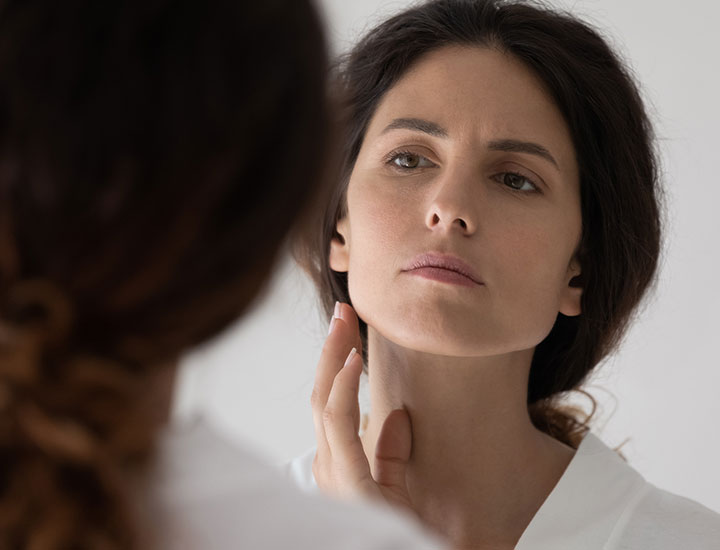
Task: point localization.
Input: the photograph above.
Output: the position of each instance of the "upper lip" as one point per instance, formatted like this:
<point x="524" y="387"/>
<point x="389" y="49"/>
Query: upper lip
<point x="443" y="261"/>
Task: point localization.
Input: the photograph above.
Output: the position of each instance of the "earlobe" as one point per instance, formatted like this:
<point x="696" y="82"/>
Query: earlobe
<point x="339" y="258"/>
<point x="570" y="304"/>
<point x="571" y="299"/>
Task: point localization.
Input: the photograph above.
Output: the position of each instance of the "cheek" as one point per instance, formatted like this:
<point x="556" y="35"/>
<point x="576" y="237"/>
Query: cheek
<point x="371" y="248"/>
<point x="383" y="222"/>
<point x="529" y="272"/>
<point x="376" y="250"/>
<point x="374" y="224"/>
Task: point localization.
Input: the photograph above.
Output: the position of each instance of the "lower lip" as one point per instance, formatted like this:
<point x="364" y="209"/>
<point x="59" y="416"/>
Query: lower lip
<point x="443" y="275"/>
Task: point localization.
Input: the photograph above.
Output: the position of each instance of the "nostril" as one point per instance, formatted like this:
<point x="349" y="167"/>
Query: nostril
<point x="462" y="222"/>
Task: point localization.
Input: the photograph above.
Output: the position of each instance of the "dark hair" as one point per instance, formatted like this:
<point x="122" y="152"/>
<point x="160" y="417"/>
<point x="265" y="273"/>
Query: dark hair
<point x="613" y="141"/>
<point x="153" y="156"/>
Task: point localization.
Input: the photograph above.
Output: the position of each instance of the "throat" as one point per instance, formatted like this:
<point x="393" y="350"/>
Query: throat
<point x="486" y="502"/>
<point x="479" y="470"/>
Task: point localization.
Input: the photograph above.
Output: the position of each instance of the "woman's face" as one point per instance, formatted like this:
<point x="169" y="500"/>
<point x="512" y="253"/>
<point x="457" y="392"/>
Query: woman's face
<point x="465" y="157"/>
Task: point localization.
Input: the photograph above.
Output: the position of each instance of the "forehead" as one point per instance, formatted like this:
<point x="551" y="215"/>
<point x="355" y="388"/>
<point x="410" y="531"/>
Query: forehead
<point x="480" y="94"/>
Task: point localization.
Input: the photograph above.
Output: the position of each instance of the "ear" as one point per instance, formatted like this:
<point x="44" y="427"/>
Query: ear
<point x="571" y="295"/>
<point x="339" y="248"/>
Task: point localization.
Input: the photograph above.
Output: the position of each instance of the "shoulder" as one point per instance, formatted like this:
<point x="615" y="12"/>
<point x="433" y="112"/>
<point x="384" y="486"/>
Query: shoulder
<point x="214" y="495"/>
<point x="662" y="520"/>
<point x="602" y="503"/>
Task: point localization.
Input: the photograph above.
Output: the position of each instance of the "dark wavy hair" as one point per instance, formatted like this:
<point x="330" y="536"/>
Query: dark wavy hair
<point x="154" y="155"/>
<point x="613" y="140"/>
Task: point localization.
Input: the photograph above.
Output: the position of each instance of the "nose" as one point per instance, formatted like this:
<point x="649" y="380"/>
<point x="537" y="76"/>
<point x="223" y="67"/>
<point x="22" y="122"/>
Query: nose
<point x="452" y="206"/>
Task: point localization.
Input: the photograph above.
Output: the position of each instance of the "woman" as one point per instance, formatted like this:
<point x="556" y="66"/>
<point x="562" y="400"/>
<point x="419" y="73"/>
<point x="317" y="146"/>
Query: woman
<point x="153" y="156"/>
<point x="497" y="226"/>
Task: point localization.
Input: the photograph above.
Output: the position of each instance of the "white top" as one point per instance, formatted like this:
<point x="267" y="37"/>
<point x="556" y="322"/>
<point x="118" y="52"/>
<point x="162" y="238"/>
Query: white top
<point x="207" y="494"/>
<point x="600" y="503"/>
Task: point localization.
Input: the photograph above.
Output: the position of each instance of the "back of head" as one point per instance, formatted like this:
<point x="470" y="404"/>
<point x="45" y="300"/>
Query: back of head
<point x="153" y="156"/>
<point x="613" y="142"/>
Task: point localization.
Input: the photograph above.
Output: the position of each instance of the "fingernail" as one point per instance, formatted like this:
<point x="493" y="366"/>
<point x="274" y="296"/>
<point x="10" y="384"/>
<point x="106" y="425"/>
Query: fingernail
<point x="332" y="324"/>
<point x="350" y="357"/>
<point x="337" y="309"/>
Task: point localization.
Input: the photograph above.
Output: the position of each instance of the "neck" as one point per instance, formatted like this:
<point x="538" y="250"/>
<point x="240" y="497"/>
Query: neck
<point x="479" y="469"/>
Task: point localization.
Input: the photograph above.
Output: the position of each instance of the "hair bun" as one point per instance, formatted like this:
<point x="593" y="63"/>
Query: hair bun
<point x="40" y="306"/>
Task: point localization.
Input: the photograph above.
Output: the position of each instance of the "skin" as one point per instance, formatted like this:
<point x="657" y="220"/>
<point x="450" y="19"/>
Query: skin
<point x="449" y="436"/>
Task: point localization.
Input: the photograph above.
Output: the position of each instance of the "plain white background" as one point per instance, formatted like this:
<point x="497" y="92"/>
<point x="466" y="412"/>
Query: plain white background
<point x="661" y="390"/>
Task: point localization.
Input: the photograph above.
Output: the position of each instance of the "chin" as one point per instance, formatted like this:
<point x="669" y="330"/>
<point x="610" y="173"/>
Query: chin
<point x="438" y="339"/>
<point x="438" y="336"/>
<point x="450" y="328"/>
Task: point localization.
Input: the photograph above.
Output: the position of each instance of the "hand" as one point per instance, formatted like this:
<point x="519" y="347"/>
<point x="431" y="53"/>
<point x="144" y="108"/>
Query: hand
<point x="340" y="466"/>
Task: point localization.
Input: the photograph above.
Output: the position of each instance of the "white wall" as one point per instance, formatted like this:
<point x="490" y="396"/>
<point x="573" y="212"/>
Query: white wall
<point x="662" y="388"/>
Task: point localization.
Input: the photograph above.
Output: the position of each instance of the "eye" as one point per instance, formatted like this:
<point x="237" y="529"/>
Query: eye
<point x="518" y="182"/>
<point x="407" y="160"/>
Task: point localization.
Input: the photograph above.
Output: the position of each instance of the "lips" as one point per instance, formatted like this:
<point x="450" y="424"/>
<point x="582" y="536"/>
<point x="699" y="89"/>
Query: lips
<point x="432" y="262"/>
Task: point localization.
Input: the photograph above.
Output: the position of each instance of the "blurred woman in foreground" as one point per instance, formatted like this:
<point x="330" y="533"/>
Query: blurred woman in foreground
<point x="153" y="156"/>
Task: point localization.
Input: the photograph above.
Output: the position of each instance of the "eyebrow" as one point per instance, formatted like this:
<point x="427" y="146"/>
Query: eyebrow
<point x="506" y="145"/>
<point x="417" y="124"/>
<point x="516" y="146"/>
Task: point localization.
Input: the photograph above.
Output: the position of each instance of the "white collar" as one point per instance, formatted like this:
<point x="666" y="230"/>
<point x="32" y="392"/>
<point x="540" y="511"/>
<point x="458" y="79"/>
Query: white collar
<point x="590" y="504"/>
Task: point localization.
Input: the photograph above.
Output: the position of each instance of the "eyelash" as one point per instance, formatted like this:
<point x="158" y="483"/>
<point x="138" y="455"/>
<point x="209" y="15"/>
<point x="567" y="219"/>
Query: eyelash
<point x="535" y="189"/>
<point x="394" y="155"/>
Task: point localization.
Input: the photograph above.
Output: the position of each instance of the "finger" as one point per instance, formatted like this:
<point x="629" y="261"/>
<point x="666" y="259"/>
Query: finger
<point x="332" y="357"/>
<point x="392" y="453"/>
<point x="347" y="313"/>
<point x="341" y="422"/>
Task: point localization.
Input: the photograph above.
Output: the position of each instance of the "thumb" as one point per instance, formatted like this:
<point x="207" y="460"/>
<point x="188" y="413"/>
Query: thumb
<point x="392" y="452"/>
